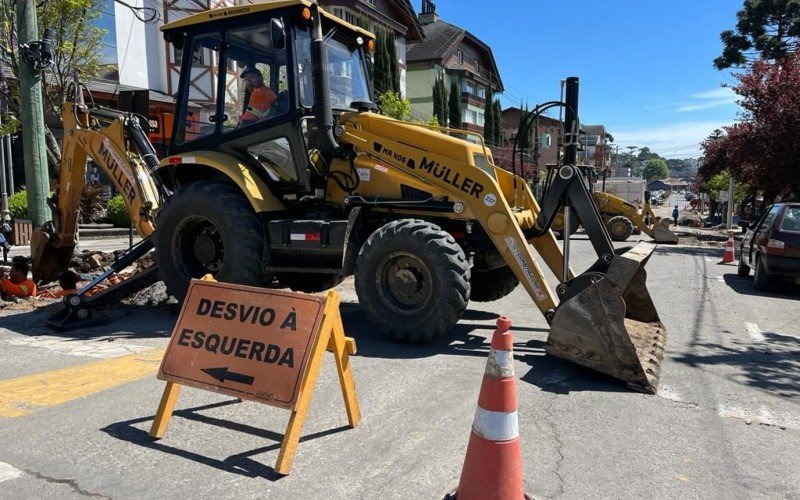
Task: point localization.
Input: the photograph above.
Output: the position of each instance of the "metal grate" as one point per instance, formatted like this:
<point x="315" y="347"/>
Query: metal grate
<point x="410" y="193"/>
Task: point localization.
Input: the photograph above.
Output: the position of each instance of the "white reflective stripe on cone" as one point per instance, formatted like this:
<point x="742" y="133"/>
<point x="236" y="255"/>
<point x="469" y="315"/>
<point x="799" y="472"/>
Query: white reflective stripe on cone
<point x="496" y="425"/>
<point x="500" y="363"/>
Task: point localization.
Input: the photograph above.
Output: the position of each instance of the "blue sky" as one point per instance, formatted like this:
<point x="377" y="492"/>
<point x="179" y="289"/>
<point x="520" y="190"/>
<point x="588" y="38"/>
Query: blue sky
<point x="645" y="65"/>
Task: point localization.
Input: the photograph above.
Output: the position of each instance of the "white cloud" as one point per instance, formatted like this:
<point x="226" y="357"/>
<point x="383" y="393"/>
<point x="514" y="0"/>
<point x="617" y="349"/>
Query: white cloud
<point x="681" y="139"/>
<point x="707" y="99"/>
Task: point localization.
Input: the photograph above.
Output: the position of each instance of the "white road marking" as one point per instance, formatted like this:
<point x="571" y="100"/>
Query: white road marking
<point x="763" y="417"/>
<point x="721" y="279"/>
<point x="755" y="332"/>
<point x="89" y="348"/>
<point x="8" y="472"/>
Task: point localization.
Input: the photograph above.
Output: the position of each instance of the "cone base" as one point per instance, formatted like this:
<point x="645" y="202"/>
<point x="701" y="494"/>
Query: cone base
<point x="492" y="470"/>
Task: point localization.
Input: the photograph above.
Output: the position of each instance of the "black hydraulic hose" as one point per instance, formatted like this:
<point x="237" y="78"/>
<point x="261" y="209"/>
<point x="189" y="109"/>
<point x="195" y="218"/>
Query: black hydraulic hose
<point x="147" y="152"/>
<point x="323" y="113"/>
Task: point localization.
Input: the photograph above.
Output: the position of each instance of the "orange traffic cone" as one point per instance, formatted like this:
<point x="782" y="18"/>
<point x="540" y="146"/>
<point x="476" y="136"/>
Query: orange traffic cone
<point x="730" y="254"/>
<point x="493" y="465"/>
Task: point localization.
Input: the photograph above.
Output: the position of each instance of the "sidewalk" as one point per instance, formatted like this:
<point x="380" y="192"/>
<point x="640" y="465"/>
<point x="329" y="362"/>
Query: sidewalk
<point x="102" y="245"/>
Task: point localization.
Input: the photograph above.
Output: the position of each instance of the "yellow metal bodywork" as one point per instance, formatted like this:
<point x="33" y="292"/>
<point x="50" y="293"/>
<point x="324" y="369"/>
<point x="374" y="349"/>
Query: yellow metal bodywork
<point x="255" y="189"/>
<point x="396" y="153"/>
<point x="106" y="147"/>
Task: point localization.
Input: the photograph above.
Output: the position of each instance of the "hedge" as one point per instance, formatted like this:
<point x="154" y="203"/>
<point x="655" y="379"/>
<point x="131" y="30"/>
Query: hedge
<point x="118" y="212"/>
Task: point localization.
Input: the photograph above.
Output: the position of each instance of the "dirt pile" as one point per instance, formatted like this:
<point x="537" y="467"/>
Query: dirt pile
<point x="91" y="261"/>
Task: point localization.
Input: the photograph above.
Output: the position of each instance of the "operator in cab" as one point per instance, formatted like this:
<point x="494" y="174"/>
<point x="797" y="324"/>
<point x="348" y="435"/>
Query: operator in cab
<point x="17" y="284"/>
<point x="260" y="97"/>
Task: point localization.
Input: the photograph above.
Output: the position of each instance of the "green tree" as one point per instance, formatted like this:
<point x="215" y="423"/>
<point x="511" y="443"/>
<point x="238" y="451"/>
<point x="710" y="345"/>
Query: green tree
<point x="765" y="29"/>
<point x="385" y="74"/>
<point x="497" y="123"/>
<point x="655" y="168"/>
<point x="76" y="49"/>
<point x="454" y="104"/>
<point x="440" y="101"/>
<point x="488" y="119"/>
<point x="395" y="106"/>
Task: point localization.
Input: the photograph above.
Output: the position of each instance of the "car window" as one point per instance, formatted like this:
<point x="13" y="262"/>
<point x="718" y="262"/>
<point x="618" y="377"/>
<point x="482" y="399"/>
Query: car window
<point x="769" y="218"/>
<point x="791" y="219"/>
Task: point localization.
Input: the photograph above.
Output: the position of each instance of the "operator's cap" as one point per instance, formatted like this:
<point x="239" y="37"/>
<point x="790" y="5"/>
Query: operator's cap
<point x="250" y="71"/>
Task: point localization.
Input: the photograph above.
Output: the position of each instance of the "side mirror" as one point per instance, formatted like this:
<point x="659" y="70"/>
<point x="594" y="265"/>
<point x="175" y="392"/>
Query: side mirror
<point x="278" y="34"/>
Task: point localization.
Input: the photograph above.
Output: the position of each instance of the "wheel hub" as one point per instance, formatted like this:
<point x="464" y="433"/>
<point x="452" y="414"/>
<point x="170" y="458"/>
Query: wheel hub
<point x="200" y="248"/>
<point x="204" y="249"/>
<point x="406" y="284"/>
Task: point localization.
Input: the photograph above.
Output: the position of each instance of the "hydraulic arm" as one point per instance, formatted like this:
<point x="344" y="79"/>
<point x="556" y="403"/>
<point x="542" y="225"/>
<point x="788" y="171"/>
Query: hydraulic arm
<point x="116" y="143"/>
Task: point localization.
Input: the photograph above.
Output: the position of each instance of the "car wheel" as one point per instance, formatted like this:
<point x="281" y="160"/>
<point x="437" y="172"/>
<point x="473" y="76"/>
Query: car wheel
<point x="743" y="271"/>
<point x="761" y="279"/>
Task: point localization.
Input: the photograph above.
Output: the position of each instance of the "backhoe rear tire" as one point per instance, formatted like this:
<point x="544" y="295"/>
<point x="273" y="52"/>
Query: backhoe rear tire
<point x="412" y="279"/>
<point x="208" y="227"/>
<point x="620" y="228"/>
<point x="309" y="282"/>
<point x="488" y="286"/>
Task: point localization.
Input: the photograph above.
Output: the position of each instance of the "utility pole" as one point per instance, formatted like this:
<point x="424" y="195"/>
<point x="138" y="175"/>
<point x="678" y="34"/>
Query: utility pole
<point x="730" y="204"/>
<point x="34" y="54"/>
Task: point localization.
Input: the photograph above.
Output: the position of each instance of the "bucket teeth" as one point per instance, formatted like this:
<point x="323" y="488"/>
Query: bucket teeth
<point x="611" y="326"/>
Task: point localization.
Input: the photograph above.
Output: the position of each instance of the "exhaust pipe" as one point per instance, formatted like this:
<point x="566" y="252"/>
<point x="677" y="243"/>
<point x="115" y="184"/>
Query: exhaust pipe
<point x="323" y="113"/>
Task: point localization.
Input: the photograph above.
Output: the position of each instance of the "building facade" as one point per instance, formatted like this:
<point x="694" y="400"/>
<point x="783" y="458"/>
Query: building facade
<point x="545" y="135"/>
<point x="454" y="54"/>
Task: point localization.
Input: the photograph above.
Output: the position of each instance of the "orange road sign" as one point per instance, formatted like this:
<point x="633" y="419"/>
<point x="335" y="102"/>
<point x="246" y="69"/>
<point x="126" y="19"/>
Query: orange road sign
<point x="250" y="343"/>
<point x="262" y="345"/>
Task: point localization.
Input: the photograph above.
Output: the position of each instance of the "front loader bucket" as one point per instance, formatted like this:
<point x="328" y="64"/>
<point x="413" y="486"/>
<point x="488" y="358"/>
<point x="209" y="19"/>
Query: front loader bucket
<point x="48" y="260"/>
<point x="663" y="234"/>
<point x="611" y="325"/>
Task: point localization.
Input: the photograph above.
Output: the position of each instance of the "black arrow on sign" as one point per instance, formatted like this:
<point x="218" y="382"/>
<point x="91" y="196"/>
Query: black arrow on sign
<point x="222" y="374"/>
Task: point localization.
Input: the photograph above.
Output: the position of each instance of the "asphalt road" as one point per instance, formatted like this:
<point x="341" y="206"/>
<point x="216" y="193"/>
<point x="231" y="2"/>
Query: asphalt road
<point x="725" y="423"/>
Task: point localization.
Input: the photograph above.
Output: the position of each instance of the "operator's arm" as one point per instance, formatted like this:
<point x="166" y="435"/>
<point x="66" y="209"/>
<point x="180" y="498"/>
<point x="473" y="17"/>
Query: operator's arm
<point x="25" y="289"/>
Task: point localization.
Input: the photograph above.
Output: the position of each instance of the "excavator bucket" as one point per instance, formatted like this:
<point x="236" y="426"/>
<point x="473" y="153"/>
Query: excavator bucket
<point x="611" y="325"/>
<point x="48" y="260"/>
<point x="662" y="232"/>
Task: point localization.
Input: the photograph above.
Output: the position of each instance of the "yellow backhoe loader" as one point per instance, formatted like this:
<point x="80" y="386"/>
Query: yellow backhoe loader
<point x="622" y="218"/>
<point x="316" y="186"/>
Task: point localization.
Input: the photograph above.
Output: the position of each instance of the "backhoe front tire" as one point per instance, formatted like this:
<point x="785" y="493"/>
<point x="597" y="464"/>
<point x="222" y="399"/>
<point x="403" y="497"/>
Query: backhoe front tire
<point x="208" y="228"/>
<point x="620" y="228"/>
<point x="488" y="286"/>
<point x="412" y="279"/>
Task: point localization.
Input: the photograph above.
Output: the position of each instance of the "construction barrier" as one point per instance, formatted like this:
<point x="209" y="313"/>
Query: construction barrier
<point x="730" y="253"/>
<point x="260" y="345"/>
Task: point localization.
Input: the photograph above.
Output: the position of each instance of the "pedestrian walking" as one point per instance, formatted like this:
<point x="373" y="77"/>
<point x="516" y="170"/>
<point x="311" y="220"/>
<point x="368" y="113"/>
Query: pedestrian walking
<point x="675" y="214"/>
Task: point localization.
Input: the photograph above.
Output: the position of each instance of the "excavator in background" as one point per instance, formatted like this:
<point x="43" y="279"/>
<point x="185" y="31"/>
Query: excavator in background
<point x="319" y="186"/>
<point x="622" y="218"/>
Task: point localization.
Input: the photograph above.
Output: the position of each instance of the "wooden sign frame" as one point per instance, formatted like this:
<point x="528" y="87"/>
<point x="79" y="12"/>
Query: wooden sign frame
<point x="331" y="338"/>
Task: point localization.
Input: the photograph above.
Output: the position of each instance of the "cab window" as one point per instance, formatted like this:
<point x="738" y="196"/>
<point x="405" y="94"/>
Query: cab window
<point x="256" y="87"/>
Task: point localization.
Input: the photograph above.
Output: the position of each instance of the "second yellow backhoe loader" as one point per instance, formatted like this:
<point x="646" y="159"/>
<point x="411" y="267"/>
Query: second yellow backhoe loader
<point x="622" y="218"/>
<point x="291" y="179"/>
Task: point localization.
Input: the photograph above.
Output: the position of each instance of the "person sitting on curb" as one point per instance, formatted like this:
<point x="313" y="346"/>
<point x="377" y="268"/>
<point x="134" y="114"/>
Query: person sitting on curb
<point x="17" y="283"/>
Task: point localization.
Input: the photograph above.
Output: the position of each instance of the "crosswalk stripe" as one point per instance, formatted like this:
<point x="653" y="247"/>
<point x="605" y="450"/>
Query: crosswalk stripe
<point x="20" y="396"/>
